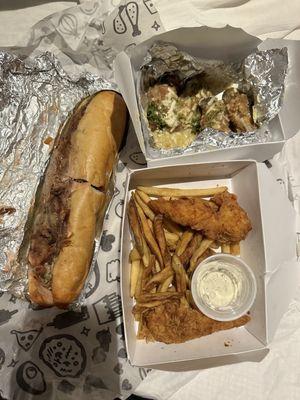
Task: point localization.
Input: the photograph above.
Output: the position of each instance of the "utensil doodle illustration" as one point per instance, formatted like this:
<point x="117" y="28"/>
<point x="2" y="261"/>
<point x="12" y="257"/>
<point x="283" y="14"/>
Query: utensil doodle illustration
<point x="64" y="354"/>
<point x="138" y="158"/>
<point x="132" y="13"/>
<point x="65" y="386"/>
<point x="150" y="6"/>
<point x="113" y="271"/>
<point x="69" y="318"/>
<point x="119" y="208"/>
<point x="5" y="315"/>
<point x="26" y="339"/>
<point x="108" y="308"/>
<point x="2" y="357"/>
<point x="30" y="378"/>
<point x="93" y="382"/>
<point x="68" y="25"/>
<point x="107" y="241"/>
<point x="104" y="339"/>
<point x="94" y="281"/>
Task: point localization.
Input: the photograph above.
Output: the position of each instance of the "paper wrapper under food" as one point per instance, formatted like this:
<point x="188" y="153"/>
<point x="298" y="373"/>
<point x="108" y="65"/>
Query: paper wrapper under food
<point x="37" y="97"/>
<point x="260" y="75"/>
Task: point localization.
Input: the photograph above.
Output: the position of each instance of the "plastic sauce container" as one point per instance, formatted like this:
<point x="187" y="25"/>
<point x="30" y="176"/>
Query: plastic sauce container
<point x="223" y="287"/>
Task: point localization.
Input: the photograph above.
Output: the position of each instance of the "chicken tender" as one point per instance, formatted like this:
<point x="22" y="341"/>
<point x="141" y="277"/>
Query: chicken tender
<point x="173" y="322"/>
<point x="192" y="212"/>
<point x="228" y="224"/>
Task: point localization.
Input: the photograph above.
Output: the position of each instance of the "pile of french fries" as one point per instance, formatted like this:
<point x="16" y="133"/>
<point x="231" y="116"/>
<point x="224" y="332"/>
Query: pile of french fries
<point x="165" y="255"/>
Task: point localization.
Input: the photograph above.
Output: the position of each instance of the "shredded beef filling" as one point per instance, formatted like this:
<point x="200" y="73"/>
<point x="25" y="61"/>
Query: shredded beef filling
<point x="49" y="232"/>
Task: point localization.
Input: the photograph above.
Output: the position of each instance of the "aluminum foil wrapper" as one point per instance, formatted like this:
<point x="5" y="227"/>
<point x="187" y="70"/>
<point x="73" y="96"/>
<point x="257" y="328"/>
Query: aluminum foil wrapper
<point x="260" y="75"/>
<point x="36" y="97"/>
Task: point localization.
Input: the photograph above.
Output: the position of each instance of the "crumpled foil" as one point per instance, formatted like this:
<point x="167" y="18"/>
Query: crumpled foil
<point x="261" y="75"/>
<point x="36" y="97"/>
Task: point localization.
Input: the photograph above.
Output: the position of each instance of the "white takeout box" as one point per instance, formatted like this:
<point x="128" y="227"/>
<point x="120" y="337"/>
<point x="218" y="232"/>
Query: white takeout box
<point x="269" y="249"/>
<point x="228" y="44"/>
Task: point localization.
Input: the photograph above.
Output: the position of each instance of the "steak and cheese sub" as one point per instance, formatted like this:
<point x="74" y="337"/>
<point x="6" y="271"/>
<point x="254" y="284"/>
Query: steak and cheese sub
<point x="71" y="201"/>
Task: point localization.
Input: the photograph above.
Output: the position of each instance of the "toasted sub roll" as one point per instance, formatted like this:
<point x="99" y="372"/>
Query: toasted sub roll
<point x="71" y="201"/>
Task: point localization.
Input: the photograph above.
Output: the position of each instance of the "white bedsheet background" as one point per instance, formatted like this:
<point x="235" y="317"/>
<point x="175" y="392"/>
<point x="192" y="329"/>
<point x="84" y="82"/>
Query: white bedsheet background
<point x="278" y="375"/>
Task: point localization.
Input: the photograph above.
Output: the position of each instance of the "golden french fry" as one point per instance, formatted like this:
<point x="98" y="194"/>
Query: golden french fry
<point x="138" y="286"/>
<point x="149" y="235"/>
<point x="191" y="248"/>
<point x="165" y="285"/>
<point x="184" y="302"/>
<point x="143" y="196"/>
<point x="134" y="255"/>
<point x="171" y="289"/>
<point x="172" y="227"/>
<point x="147" y="211"/>
<point x="134" y="275"/>
<point x="146" y="253"/>
<point x="150" y="223"/>
<point x="159" y="277"/>
<point x="204" y="245"/>
<point x="157" y="266"/>
<point x="225" y="248"/>
<point x="235" y="249"/>
<point x="161" y="239"/>
<point x="135" y="226"/>
<point x="179" y="274"/>
<point x="183" y="242"/>
<point x="147" y="271"/>
<point x="150" y="304"/>
<point x="169" y="192"/>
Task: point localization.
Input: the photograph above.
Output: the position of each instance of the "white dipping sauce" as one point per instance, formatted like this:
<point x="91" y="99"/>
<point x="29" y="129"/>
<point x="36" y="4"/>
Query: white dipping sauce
<point x="220" y="285"/>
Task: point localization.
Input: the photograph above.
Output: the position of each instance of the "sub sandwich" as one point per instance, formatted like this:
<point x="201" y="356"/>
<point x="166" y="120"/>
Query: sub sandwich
<point x="71" y="201"/>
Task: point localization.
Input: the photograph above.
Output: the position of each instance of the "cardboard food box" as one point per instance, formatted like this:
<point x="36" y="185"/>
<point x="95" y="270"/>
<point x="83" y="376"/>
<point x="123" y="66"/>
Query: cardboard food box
<point x="269" y="249"/>
<point x="227" y="44"/>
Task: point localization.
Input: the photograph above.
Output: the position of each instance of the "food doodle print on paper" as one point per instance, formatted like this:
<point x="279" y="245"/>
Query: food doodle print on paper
<point x="93" y="282"/>
<point x="107" y="241"/>
<point x="64" y="354"/>
<point x="30" y="378"/>
<point x="113" y="271"/>
<point x="104" y="339"/>
<point x="26" y="339"/>
<point x="119" y="208"/>
<point x="5" y="315"/>
<point x="68" y="25"/>
<point x="120" y="331"/>
<point x="65" y="386"/>
<point x="2" y="357"/>
<point x="69" y="318"/>
<point x="132" y="14"/>
<point x="150" y="6"/>
<point x="108" y="308"/>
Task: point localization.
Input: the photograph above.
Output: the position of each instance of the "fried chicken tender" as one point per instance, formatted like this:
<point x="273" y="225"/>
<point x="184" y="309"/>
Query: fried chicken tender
<point x="173" y="322"/>
<point x="238" y="109"/>
<point x="228" y="224"/>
